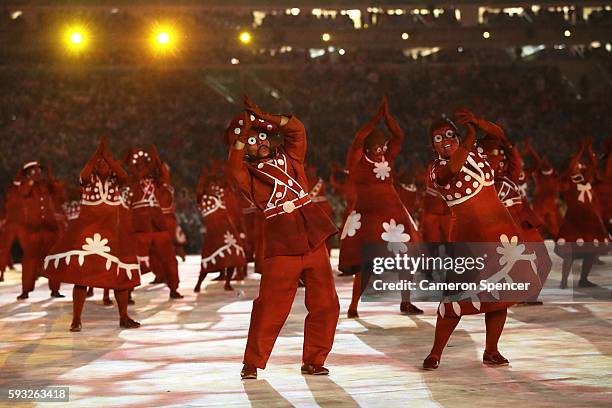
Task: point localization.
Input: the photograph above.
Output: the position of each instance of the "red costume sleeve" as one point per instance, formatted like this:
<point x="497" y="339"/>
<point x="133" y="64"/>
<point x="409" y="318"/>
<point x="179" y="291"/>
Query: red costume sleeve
<point x="356" y="150"/>
<point x="294" y="139"/>
<point x="515" y="163"/>
<point x="238" y="171"/>
<point x="397" y="138"/>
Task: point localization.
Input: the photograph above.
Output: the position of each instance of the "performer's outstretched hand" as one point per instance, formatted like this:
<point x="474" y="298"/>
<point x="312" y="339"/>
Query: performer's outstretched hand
<point x="464" y="116"/>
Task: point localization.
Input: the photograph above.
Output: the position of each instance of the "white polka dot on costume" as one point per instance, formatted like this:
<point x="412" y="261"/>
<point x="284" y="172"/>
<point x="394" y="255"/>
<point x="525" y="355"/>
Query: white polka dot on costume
<point x="270" y="205"/>
<point x="279" y="194"/>
<point x="447" y="187"/>
<point x="458" y="184"/>
<point x="481" y="165"/>
<point x="281" y="162"/>
<point x="141" y="153"/>
<point x="443" y="162"/>
<point x="241" y="122"/>
<point x="289" y="183"/>
<point x="135" y="155"/>
<point x="260" y="165"/>
<point x="252" y="117"/>
<point x="468" y="191"/>
<point x="237" y="131"/>
<point x="480" y="150"/>
<point x="269" y="127"/>
<point x="467" y="177"/>
<point x="475" y="184"/>
<point x="449" y="197"/>
<point x="457" y="195"/>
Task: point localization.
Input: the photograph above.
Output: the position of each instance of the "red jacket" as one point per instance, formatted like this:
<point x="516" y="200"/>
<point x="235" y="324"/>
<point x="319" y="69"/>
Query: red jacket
<point x="278" y="186"/>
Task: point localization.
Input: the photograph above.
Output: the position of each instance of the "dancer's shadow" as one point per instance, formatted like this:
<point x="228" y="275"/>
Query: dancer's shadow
<point x="329" y="394"/>
<point x="262" y="395"/>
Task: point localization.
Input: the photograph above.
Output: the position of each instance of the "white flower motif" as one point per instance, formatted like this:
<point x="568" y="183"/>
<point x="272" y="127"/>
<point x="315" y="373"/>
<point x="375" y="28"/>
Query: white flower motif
<point x="229" y="238"/>
<point x="96" y="244"/>
<point x="382" y="170"/>
<point x="352" y="224"/>
<point x="510" y="250"/>
<point x="395" y="236"/>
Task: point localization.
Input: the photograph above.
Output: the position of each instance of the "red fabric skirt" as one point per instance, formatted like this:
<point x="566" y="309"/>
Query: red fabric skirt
<point x="98" y="249"/>
<point x="222" y="247"/>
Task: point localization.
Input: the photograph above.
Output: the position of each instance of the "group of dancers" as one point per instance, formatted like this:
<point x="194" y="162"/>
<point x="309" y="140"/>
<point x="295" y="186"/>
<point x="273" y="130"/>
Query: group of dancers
<point x="266" y="205"/>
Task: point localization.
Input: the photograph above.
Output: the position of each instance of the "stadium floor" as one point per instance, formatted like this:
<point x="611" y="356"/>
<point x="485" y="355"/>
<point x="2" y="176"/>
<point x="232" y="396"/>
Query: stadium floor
<point x="189" y="352"/>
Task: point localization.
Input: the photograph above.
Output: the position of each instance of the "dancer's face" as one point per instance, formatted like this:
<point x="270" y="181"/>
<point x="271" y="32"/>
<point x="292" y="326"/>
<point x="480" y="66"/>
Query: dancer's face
<point x="102" y="167"/>
<point x="376" y="152"/>
<point x="445" y="141"/>
<point x="33" y="173"/>
<point x="258" y="146"/>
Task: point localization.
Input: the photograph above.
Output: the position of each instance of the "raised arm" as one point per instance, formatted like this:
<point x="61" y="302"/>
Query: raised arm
<point x="236" y="168"/>
<point x="571" y="168"/>
<point x="114" y="165"/>
<point x="397" y="135"/>
<point x="356" y="150"/>
<point x="91" y="164"/>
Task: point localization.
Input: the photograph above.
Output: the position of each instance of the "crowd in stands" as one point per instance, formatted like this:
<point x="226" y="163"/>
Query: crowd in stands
<point x="58" y="116"/>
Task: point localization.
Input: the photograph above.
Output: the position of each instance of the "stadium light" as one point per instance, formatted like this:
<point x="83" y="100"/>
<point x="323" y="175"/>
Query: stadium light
<point x="405" y="36"/>
<point x="245" y="37"/>
<point x="567" y="33"/>
<point x="75" y="38"/>
<point x="486" y="35"/>
<point x="163" y="38"/>
<point x="326" y="37"/>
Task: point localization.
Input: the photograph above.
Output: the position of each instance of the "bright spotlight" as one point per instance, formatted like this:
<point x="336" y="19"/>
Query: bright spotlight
<point x="245" y="37"/>
<point x="163" y="38"/>
<point x="326" y="37"/>
<point x="75" y="38"/>
<point x="567" y="33"/>
<point x="486" y="35"/>
<point x="405" y="36"/>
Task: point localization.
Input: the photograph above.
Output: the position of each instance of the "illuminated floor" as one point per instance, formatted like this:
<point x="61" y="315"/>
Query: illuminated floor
<point x="188" y="353"/>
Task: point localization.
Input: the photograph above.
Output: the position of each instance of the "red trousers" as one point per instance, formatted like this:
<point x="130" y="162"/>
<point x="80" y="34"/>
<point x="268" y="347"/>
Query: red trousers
<point x="36" y="244"/>
<point x="279" y="282"/>
<point x="435" y="227"/>
<point x="159" y="245"/>
<point x="10" y="233"/>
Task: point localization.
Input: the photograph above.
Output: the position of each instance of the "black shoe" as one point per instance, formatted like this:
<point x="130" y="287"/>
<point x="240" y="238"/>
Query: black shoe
<point x="585" y="283"/>
<point x="89" y="293"/>
<point x="56" y="294"/>
<point x="249" y="372"/>
<point x="128" y="323"/>
<point x="494" y="359"/>
<point x="408" y="308"/>
<point x="75" y="327"/>
<point x="431" y="363"/>
<point x="352" y="314"/>
<point x="314" y="369"/>
<point x="107" y="302"/>
<point x="23" y="296"/>
<point x="176" y="295"/>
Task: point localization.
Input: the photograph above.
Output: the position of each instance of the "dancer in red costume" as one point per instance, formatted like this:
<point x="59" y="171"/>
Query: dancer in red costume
<point x="408" y="192"/>
<point x="222" y="250"/>
<point x="546" y="194"/>
<point x="604" y="186"/>
<point x="341" y="184"/>
<point x="39" y="228"/>
<point x="294" y="234"/>
<point x="165" y="196"/>
<point x="13" y="227"/>
<point x="465" y="179"/>
<point x="378" y="215"/>
<point x="507" y="164"/>
<point x="147" y="217"/>
<point x="318" y="195"/>
<point x="582" y="234"/>
<point x="98" y="248"/>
